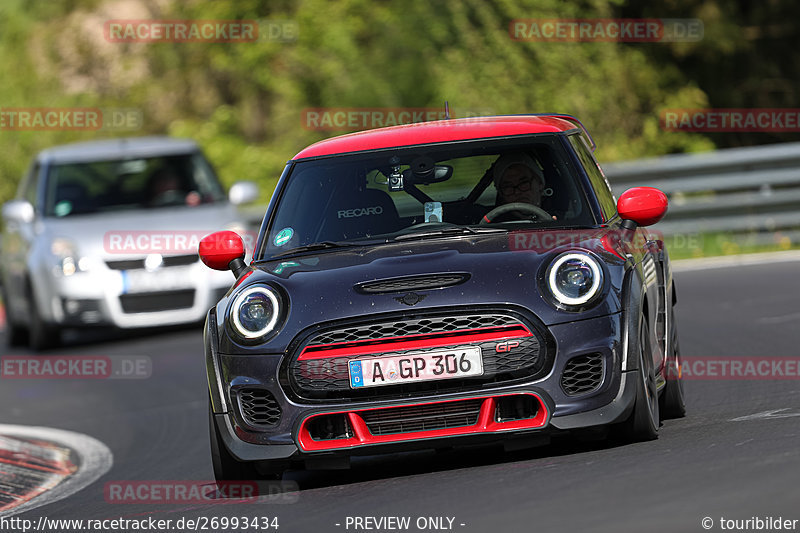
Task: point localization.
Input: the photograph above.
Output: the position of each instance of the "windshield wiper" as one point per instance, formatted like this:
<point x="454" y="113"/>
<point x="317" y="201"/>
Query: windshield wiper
<point x="322" y="245"/>
<point x="460" y="230"/>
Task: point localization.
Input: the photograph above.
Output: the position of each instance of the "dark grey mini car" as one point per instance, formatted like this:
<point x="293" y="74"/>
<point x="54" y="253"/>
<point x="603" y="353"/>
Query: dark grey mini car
<point x="437" y="284"/>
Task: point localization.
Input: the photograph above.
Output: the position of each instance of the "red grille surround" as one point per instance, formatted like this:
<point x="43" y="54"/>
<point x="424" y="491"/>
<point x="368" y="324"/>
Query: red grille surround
<point x="486" y="423"/>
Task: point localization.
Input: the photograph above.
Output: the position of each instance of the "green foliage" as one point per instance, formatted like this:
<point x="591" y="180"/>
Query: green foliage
<point x="698" y="245"/>
<point x="243" y="101"/>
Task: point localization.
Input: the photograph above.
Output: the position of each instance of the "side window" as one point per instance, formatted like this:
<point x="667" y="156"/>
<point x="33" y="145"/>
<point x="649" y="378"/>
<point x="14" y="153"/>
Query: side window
<point x="599" y="183"/>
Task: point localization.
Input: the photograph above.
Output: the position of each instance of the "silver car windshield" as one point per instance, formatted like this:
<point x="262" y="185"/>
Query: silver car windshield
<point x="142" y="183"/>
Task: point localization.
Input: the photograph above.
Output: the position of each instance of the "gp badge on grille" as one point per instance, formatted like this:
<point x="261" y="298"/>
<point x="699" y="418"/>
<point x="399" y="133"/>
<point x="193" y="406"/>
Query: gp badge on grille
<point x="507" y="346"/>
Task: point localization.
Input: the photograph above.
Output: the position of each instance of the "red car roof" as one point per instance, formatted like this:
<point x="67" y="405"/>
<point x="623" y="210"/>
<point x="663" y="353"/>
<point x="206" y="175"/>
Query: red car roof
<point x="442" y="131"/>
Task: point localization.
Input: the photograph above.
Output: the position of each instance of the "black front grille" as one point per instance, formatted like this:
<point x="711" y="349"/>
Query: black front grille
<point x="422" y="417"/>
<point x="582" y="374"/>
<point x="125" y="264"/>
<point x="259" y="407"/>
<point x="412" y="283"/>
<point x="180" y="260"/>
<point x="327" y="378"/>
<point x="150" y="302"/>
<point x="418" y="326"/>
<point x="168" y="261"/>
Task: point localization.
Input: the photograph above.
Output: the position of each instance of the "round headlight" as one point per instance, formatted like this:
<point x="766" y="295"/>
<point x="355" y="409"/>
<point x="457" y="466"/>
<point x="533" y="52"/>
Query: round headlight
<point x="575" y="278"/>
<point x="255" y="312"/>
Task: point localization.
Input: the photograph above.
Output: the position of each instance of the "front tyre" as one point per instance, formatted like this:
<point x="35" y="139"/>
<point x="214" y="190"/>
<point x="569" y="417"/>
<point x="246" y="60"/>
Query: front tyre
<point x="41" y="335"/>
<point x="16" y="335"/>
<point x="644" y="421"/>
<point x="672" y="402"/>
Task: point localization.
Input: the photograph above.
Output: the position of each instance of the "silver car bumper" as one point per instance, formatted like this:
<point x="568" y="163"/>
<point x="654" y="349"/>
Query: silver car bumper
<point x="131" y="298"/>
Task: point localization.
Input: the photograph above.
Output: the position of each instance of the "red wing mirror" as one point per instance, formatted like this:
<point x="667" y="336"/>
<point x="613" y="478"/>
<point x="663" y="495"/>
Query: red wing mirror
<point x="223" y="250"/>
<point x="643" y="205"/>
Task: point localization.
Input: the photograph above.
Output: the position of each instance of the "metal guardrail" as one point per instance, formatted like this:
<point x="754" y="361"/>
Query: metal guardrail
<point x="738" y="190"/>
<point x="753" y="191"/>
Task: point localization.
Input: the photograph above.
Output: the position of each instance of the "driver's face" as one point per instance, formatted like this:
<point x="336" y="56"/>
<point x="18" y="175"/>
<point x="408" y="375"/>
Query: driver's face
<point x="518" y="185"/>
<point x="165" y="183"/>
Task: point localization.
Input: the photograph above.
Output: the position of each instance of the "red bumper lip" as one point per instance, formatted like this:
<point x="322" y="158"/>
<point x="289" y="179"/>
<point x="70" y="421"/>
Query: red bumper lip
<point x="486" y="423"/>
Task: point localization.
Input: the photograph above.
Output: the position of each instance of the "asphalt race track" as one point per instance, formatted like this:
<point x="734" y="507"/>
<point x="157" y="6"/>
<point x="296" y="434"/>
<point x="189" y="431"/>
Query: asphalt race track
<point x="718" y="461"/>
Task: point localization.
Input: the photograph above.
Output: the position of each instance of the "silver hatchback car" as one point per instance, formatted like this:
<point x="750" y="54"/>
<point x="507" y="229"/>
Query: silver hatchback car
<point x="105" y="233"/>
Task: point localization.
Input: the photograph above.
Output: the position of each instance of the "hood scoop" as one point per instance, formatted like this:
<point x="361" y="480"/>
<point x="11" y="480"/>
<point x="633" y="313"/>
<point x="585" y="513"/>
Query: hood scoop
<point x="412" y="283"/>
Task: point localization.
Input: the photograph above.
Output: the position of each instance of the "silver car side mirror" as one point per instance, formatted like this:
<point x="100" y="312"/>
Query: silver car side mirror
<point x="20" y="211"/>
<point x="243" y="192"/>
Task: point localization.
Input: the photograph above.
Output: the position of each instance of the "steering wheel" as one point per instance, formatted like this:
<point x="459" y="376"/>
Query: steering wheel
<point x="523" y="207"/>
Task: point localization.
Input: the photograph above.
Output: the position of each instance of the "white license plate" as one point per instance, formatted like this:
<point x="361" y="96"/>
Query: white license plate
<point x="422" y="366"/>
<point x="168" y="279"/>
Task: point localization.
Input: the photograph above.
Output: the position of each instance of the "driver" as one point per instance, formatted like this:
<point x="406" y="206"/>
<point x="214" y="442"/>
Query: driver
<point x="166" y="187"/>
<point x="518" y="178"/>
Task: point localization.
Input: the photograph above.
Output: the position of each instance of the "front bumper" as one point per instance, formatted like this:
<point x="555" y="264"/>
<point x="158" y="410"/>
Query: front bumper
<point x="289" y="435"/>
<point x="104" y="297"/>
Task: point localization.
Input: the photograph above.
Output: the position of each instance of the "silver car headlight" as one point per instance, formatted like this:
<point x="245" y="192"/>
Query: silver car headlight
<point x="574" y="278"/>
<point x="255" y="312"/>
<point x="68" y="260"/>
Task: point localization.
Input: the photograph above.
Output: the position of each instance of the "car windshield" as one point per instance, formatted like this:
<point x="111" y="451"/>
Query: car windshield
<point x="427" y="192"/>
<point x="141" y="183"/>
